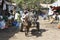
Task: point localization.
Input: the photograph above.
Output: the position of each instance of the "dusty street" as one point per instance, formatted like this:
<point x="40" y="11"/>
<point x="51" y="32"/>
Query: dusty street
<point x="47" y="32"/>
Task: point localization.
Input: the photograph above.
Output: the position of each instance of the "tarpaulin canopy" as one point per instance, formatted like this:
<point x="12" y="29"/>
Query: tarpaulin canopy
<point x="56" y="4"/>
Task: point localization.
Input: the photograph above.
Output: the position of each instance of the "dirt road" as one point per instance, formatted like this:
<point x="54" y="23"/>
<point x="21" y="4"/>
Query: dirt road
<point x="47" y="32"/>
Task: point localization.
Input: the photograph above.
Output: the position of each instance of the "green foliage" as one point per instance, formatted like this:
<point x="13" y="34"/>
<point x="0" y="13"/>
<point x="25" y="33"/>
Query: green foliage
<point x="31" y="3"/>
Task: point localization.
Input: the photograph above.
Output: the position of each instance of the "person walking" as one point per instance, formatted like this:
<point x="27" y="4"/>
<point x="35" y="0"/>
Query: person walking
<point x="24" y="19"/>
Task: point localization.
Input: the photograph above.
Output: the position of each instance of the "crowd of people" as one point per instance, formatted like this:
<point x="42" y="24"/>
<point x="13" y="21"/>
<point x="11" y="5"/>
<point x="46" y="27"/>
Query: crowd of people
<point x="8" y="19"/>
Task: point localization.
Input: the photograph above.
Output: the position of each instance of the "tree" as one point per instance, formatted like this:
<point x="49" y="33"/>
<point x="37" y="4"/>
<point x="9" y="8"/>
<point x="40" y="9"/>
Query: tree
<point x="26" y="3"/>
<point x="31" y="3"/>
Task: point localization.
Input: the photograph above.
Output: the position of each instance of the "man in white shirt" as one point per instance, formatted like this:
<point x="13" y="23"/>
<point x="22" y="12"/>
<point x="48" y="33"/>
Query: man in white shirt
<point x="23" y="19"/>
<point x="50" y="11"/>
<point x="24" y="15"/>
<point x="16" y="16"/>
<point x="50" y="14"/>
<point x="4" y="6"/>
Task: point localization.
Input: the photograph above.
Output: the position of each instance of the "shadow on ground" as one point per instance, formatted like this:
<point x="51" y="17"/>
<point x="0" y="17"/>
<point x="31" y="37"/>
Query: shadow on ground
<point x="6" y="34"/>
<point x="36" y="33"/>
